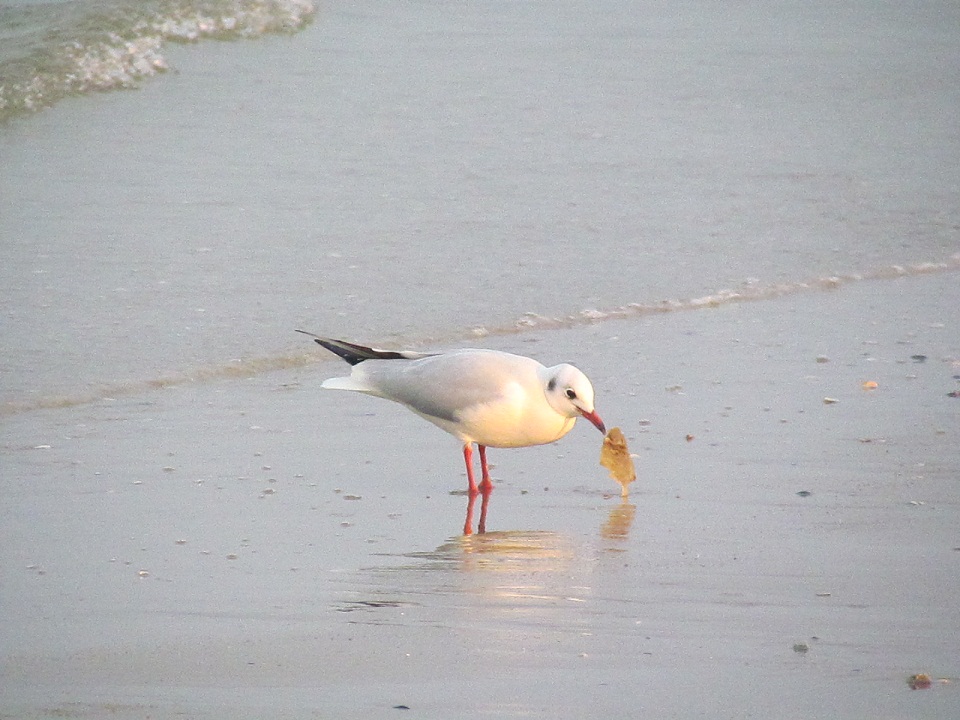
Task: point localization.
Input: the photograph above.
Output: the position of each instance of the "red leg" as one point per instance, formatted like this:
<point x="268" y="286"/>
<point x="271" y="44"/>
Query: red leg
<point x="486" y="484"/>
<point x="468" y="459"/>
<point x="485" y="488"/>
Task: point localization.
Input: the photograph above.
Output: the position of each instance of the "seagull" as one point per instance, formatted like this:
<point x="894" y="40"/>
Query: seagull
<point x="483" y="397"/>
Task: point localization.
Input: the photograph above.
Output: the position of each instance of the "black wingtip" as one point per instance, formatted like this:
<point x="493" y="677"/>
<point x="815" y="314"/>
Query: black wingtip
<point x="356" y="354"/>
<point x="353" y="354"/>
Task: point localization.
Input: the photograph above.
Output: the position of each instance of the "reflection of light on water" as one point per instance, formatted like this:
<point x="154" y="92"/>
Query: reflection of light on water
<point x="506" y="574"/>
<point x="509" y="569"/>
<point x="514" y="551"/>
<point x="617" y="526"/>
<point x="510" y="551"/>
<point x="508" y="594"/>
<point x="527" y="599"/>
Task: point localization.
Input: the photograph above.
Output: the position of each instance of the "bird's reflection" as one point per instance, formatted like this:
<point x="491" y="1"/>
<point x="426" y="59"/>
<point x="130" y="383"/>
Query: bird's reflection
<point x="471" y="503"/>
<point x="619" y="521"/>
<point x="616" y="527"/>
<point x="518" y="552"/>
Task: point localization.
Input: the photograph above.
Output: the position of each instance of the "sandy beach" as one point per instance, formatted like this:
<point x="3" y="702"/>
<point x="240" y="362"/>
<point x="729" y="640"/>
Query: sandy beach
<point x="781" y="555"/>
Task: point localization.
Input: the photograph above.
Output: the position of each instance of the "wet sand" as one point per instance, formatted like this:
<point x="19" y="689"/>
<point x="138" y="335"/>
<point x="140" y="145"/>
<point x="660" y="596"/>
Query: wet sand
<point x="253" y="548"/>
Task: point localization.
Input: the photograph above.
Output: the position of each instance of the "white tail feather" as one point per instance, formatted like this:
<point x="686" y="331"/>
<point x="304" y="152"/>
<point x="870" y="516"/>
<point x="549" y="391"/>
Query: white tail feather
<point x="356" y="384"/>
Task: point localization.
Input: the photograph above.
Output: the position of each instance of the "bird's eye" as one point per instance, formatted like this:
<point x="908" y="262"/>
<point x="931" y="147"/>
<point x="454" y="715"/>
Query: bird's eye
<point x="571" y="393"/>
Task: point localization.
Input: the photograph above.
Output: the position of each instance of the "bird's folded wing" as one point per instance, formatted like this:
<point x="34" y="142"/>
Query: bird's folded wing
<point x="447" y="386"/>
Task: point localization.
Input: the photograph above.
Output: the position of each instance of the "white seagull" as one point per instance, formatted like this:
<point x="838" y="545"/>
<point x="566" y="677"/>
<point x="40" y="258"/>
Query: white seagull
<point x="487" y="397"/>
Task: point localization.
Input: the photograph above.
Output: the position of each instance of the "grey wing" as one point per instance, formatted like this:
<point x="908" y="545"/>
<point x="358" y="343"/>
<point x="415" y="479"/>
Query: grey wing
<point x="444" y="386"/>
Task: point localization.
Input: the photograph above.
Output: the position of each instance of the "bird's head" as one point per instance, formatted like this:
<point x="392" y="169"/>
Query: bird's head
<point x="570" y="393"/>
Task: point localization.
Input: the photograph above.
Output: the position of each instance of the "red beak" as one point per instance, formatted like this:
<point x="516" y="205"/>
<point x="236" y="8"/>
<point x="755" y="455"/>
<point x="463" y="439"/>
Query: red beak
<point x="595" y="419"/>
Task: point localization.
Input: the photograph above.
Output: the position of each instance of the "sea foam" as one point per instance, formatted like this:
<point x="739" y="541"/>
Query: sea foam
<point x="53" y="51"/>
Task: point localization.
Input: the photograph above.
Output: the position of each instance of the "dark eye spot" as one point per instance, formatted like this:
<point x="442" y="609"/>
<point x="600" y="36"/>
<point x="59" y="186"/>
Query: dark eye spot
<point x="552" y="385"/>
<point x="571" y="394"/>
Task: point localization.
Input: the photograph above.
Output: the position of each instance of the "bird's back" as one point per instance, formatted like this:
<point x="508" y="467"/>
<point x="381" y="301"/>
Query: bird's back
<point x="444" y="386"/>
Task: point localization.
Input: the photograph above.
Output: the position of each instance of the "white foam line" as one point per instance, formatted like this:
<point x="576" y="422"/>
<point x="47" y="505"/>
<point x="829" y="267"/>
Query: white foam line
<point x="235" y="369"/>
<point x="750" y="292"/>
